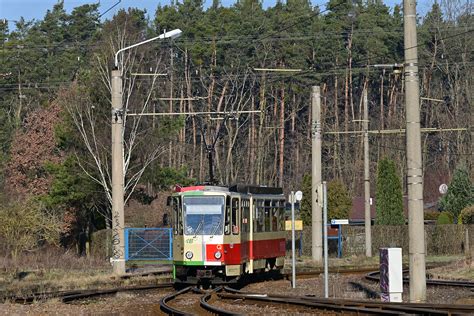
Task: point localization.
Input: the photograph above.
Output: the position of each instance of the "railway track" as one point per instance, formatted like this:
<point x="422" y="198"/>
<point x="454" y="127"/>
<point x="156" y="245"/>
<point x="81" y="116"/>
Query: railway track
<point x="375" y="276"/>
<point x="292" y="304"/>
<point x="351" y="306"/>
<point x="200" y="302"/>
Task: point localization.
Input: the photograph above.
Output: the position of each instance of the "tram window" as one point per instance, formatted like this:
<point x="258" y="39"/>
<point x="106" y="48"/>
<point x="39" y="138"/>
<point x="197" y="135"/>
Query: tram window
<point x="275" y="216"/>
<point x="245" y="216"/>
<point x="177" y="224"/>
<point x="235" y="216"/>
<point x="227" y="216"/>
<point x="175" y="215"/>
<point x="259" y="222"/>
<point x="282" y="215"/>
<point x="267" y="212"/>
<point x="254" y="216"/>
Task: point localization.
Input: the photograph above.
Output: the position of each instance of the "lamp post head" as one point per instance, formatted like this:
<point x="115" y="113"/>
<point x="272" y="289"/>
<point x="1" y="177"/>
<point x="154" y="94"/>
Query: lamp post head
<point x="171" y="34"/>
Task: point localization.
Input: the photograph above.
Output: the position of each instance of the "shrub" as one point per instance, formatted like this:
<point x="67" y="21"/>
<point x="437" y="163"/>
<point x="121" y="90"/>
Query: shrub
<point x="467" y="215"/>
<point x="306" y="207"/>
<point x="26" y="225"/>
<point x="389" y="200"/>
<point x="339" y="200"/>
<point x="445" y="218"/>
<point x="432" y="215"/>
<point x="460" y="193"/>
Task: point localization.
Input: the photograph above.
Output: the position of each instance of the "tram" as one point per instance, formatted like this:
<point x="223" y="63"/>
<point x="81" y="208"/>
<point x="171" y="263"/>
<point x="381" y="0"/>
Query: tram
<point x="222" y="233"/>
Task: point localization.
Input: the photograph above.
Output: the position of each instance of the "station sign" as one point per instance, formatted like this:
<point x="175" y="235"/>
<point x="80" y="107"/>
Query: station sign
<point x="339" y="222"/>
<point x="298" y="225"/>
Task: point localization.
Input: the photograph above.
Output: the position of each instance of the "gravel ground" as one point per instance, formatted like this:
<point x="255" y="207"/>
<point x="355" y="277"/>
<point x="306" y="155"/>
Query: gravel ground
<point x="147" y="303"/>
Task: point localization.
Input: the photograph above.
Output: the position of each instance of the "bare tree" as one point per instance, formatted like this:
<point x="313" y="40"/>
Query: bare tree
<point x="141" y="146"/>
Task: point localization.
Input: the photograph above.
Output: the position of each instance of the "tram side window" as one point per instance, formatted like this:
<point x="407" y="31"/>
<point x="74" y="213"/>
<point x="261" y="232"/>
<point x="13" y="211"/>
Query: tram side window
<point x="275" y="216"/>
<point x="268" y="212"/>
<point x="178" y="224"/>
<point x="281" y="210"/>
<point x="235" y="216"/>
<point x="259" y="224"/>
<point x="245" y="216"/>
<point x="227" y="217"/>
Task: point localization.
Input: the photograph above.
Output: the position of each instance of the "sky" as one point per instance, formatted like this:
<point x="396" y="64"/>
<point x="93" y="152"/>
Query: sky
<point x="36" y="9"/>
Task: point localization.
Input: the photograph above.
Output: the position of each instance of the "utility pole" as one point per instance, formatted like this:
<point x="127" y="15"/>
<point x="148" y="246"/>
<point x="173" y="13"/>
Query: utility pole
<point x="118" y="170"/>
<point x="316" y="212"/>
<point x="416" y="229"/>
<point x="118" y="242"/>
<point x="368" y="218"/>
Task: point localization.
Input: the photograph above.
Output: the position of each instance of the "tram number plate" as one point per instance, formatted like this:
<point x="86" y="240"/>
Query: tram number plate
<point x="204" y="273"/>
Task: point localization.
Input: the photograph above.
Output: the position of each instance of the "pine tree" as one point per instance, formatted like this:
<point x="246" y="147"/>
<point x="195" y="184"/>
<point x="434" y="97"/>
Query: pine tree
<point x="389" y="201"/>
<point x="460" y="193"/>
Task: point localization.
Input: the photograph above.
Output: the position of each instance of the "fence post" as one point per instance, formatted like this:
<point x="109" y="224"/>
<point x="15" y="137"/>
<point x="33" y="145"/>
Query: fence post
<point x="170" y="232"/>
<point x="126" y="243"/>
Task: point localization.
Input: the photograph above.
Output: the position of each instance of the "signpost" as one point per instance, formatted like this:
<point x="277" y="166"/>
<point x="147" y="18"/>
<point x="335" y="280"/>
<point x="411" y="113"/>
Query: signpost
<point x="293" y="198"/>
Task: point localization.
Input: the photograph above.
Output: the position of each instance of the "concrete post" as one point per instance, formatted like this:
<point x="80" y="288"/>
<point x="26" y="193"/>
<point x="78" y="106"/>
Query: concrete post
<point x="368" y="221"/>
<point x="316" y="211"/>
<point x="118" y="243"/>
<point x="414" y="159"/>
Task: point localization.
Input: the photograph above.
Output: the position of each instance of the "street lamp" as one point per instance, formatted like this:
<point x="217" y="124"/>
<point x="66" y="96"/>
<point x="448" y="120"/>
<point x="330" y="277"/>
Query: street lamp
<point x="171" y="34"/>
<point x="118" y="223"/>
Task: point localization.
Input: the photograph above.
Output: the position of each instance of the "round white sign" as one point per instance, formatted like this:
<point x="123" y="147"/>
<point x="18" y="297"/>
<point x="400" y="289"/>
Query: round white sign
<point x="299" y="195"/>
<point x="443" y="188"/>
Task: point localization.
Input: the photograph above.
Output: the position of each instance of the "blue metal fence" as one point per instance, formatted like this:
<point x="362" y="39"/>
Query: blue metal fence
<point x="148" y="244"/>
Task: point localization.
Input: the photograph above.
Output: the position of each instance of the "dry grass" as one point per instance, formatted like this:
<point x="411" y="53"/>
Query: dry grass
<point x="55" y="270"/>
<point x="364" y="262"/>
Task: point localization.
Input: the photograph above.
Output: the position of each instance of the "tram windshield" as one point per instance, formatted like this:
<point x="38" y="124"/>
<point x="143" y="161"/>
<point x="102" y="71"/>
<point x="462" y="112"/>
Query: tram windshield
<point x="203" y="215"/>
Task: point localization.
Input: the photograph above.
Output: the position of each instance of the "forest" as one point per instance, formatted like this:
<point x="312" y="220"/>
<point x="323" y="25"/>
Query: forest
<point x="257" y="65"/>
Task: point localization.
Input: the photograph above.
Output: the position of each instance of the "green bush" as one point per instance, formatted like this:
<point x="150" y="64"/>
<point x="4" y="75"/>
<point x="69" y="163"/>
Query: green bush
<point x="467" y="215"/>
<point x="339" y="200"/>
<point x="460" y="193"/>
<point x="306" y="207"/>
<point x="432" y="215"/>
<point x="445" y="218"/>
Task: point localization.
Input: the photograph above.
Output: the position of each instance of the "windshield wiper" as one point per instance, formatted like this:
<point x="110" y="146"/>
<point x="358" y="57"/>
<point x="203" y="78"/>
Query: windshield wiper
<point x="216" y="229"/>
<point x="198" y="228"/>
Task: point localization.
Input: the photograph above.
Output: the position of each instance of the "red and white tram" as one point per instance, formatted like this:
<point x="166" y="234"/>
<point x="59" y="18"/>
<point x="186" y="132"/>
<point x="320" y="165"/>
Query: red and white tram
<point x="221" y="233"/>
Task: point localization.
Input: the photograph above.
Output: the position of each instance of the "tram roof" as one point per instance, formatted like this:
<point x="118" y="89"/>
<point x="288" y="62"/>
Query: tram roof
<point x="239" y="188"/>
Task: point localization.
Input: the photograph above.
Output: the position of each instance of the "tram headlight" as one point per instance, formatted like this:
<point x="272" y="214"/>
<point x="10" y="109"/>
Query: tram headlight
<point x="217" y="254"/>
<point x="189" y="255"/>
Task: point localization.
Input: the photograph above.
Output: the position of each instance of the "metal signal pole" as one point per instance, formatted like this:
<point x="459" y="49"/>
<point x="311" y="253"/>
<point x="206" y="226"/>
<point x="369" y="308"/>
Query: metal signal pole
<point x="416" y="229"/>
<point x="316" y="212"/>
<point x="118" y="222"/>
<point x="368" y="219"/>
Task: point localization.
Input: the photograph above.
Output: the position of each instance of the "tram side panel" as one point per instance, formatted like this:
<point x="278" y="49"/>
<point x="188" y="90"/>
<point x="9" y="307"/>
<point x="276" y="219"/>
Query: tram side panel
<point x="268" y="235"/>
